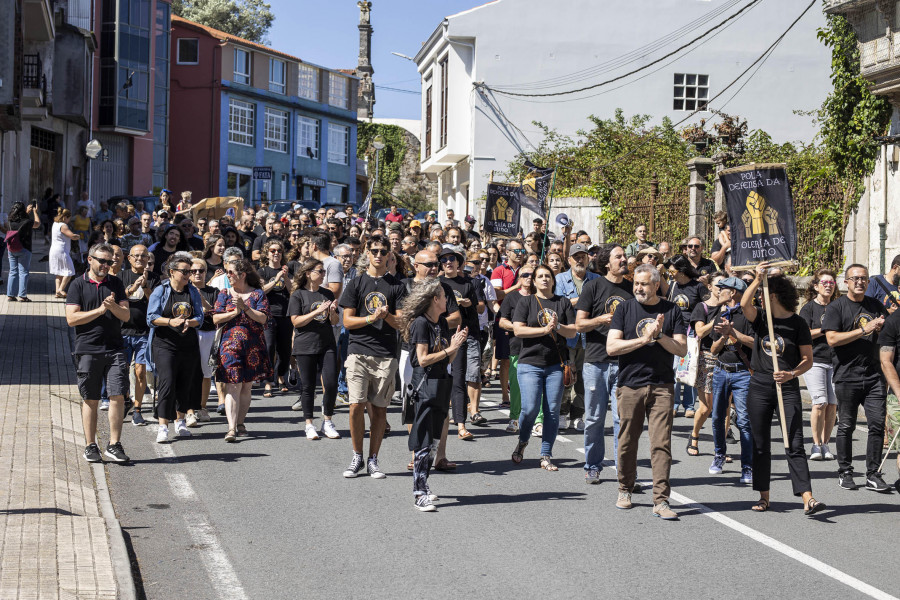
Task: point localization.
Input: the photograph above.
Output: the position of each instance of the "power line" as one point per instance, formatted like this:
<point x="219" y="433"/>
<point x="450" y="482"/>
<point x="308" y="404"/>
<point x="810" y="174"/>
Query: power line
<point x="632" y="72"/>
<point x="398" y="90"/>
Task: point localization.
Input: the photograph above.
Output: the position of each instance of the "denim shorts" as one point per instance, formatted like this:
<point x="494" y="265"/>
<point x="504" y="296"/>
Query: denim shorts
<point x="136" y="347"/>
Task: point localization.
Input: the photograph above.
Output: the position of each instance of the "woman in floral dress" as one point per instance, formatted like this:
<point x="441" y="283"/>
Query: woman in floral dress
<point x="242" y="310"/>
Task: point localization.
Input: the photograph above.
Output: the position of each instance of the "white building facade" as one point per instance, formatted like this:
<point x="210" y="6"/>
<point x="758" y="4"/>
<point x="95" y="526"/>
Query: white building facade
<point x="534" y="46"/>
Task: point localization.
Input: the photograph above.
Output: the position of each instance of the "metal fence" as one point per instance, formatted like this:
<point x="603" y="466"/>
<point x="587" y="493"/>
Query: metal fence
<point x="665" y="215"/>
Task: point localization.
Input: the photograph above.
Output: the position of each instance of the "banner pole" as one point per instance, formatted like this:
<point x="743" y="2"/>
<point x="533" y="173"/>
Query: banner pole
<point x="773" y="347"/>
<point x="547" y="216"/>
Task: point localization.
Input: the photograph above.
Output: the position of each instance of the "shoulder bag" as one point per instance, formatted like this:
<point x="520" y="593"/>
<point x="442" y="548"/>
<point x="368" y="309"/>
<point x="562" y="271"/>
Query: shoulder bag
<point x="570" y="376"/>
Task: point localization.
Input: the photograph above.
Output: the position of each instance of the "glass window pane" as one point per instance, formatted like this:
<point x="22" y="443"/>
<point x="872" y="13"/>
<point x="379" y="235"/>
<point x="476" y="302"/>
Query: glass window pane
<point x="679" y="78"/>
<point x="688" y="105"/>
<point x="690" y="92"/>
<point x="702" y="92"/>
<point x="692" y="80"/>
<point x="679" y="91"/>
<point x="702" y="79"/>
<point x="679" y="105"/>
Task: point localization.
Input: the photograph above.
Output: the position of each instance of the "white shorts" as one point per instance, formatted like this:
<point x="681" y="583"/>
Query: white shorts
<point x="206" y="339"/>
<point x="819" y="383"/>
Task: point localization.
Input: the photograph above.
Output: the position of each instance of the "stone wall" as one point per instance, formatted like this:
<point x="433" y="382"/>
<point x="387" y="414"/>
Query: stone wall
<point x="412" y="180"/>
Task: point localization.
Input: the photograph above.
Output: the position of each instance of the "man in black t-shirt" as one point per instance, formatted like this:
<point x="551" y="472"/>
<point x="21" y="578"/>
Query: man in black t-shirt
<point x="139" y="282"/>
<point x="371" y="304"/>
<point x="851" y="327"/>
<point x="732" y="339"/>
<point x="889" y="340"/>
<point x="596" y="306"/>
<point x="694" y="253"/>
<point x="646" y="333"/>
<point x="96" y="306"/>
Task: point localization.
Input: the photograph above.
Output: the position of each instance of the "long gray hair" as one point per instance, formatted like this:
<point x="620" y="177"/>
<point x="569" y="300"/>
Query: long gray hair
<point x="417" y="302"/>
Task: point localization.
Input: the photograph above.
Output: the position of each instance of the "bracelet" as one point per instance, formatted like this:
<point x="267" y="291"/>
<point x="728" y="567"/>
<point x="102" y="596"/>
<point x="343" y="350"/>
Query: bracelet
<point x="447" y="354"/>
<point x="368" y="322"/>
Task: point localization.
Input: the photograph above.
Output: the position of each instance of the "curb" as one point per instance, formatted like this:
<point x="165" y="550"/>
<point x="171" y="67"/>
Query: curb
<point x="118" y="552"/>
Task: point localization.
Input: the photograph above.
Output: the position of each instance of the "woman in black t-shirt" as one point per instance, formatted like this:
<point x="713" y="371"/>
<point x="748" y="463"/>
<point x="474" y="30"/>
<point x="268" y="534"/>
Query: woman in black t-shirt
<point x="686" y="292"/>
<point x="22" y="220"/>
<point x="703" y="318"/>
<point x="821" y="291"/>
<point x="507" y="307"/>
<point x="544" y="320"/>
<point x="206" y="334"/>
<point x="793" y="352"/>
<point x="312" y="310"/>
<point x="213" y="255"/>
<point x="276" y="283"/>
<point x="423" y="327"/>
<point x="174" y="347"/>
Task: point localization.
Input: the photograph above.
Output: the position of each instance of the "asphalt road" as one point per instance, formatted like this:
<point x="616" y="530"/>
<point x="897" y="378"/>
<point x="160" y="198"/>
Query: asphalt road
<point x="272" y="517"/>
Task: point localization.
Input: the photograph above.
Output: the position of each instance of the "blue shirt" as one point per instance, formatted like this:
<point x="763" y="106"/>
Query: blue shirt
<point x="565" y="286"/>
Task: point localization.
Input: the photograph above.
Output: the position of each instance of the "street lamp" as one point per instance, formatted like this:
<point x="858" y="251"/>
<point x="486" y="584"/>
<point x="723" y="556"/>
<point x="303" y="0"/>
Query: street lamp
<point x="378" y="144"/>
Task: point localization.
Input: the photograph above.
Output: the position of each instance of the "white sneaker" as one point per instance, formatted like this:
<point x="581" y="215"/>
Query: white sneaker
<point x="329" y="430"/>
<point x="311" y="432"/>
<point x="816" y="453"/>
<point x="162" y="434"/>
<point x="191" y="420"/>
<point x="579" y="424"/>
<point x="826" y="453"/>
<point x="513" y="426"/>
<point x="538" y="430"/>
<point x="181" y="429"/>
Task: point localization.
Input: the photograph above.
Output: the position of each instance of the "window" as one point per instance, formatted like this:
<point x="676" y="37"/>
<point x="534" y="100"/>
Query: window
<point x="241" y="122"/>
<point x="691" y="91"/>
<point x="444" y="99"/>
<point x="338" y="91"/>
<point x="308" y="83"/>
<point x="336" y="193"/>
<point x="338" y="144"/>
<point x="276" y="134"/>
<point x="284" y="180"/>
<point x="428" y="122"/>
<point x="188" y="51"/>
<point x="308" y="137"/>
<point x="239" y="179"/>
<point x="241" y="66"/>
<point x="276" y="75"/>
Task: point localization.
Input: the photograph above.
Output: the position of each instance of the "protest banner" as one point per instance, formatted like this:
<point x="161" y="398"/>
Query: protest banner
<point x="216" y="208"/>
<point x="501" y="210"/>
<point x="535" y="188"/>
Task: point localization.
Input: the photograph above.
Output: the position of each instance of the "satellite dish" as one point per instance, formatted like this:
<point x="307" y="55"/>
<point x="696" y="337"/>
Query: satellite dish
<point x="93" y="148"/>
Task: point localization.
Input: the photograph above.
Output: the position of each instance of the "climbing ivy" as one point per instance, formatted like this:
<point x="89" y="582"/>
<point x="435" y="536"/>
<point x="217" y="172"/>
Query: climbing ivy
<point x="391" y="157"/>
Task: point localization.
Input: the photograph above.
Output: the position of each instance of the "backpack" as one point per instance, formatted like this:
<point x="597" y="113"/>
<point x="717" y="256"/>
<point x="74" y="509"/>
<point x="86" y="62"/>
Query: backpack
<point x="13" y="241"/>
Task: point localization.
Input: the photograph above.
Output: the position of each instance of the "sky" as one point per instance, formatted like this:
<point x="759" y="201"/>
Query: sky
<point x="325" y="32"/>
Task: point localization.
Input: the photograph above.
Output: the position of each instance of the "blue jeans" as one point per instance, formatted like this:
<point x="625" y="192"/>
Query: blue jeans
<point x="19" y="269"/>
<point x="685" y="396"/>
<point x="343" y="346"/>
<point x="541" y="387"/>
<point x="736" y="384"/>
<point x="599" y="395"/>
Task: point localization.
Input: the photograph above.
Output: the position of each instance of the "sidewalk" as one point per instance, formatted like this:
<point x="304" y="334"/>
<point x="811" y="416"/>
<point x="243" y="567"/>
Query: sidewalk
<point x="59" y="537"/>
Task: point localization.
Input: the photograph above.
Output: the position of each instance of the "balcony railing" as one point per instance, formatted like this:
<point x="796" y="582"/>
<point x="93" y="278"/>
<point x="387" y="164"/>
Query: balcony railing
<point x="32" y="71"/>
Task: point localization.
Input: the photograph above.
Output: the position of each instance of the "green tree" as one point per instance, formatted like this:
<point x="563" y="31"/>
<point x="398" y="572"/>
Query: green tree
<point x="248" y="19"/>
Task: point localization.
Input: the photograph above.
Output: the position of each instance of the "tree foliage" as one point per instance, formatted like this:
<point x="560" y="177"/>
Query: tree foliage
<point x="392" y="154"/>
<point x="248" y="19"/>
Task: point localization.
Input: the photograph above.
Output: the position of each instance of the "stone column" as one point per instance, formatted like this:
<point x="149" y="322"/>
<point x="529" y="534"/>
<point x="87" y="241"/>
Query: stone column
<point x="719" y="160"/>
<point x="699" y="167"/>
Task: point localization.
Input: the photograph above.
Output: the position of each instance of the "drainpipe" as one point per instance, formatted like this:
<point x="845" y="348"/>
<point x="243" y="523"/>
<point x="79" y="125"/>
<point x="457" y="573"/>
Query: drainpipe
<point x="882" y="227"/>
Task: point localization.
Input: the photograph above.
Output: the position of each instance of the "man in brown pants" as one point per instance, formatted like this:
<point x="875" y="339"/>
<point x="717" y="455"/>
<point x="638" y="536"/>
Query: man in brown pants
<point x="645" y="332"/>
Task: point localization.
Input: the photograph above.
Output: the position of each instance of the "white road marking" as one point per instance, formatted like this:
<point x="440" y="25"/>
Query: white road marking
<point x="788" y="551"/>
<point x="180" y="486"/>
<point x="219" y="568"/>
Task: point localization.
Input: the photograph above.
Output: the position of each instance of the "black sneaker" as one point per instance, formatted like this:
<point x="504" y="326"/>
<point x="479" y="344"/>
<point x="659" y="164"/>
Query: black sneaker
<point x="729" y="437"/>
<point x="875" y="483"/>
<point x="845" y="480"/>
<point x="92" y="453"/>
<point x="115" y="452"/>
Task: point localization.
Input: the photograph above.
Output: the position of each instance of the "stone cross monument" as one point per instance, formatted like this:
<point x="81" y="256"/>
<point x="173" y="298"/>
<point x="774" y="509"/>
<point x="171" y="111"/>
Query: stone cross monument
<point x="364" y="70"/>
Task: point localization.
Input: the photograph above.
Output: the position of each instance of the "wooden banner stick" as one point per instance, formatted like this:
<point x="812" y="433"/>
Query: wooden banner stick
<point x="773" y="347"/>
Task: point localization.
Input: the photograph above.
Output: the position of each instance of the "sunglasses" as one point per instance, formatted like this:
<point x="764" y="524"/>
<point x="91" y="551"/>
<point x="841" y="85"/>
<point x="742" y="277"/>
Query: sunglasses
<point x="820" y="282"/>
<point x="525" y="275"/>
<point x="379" y="251"/>
<point x="427" y="265"/>
<point x="103" y="261"/>
<point x="477" y="263"/>
<point x="857" y="279"/>
<point x="232" y="273"/>
<point x="693" y="246"/>
<point x="198" y="271"/>
<point x="182" y="271"/>
<point x="519" y="251"/>
<point x="446" y="259"/>
<point x="274" y="251"/>
<point x="317" y="271"/>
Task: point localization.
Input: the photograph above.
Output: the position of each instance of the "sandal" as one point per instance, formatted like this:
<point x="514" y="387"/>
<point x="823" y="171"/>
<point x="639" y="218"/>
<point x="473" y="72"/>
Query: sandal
<point x="728" y="459"/>
<point x="478" y="419"/>
<point x="517" y="454"/>
<point x="762" y="505"/>
<point x="268" y="394"/>
<point x="547" y="464"/>
<point x="813" y="506"/>
<point x="230" y="436"/>
<point x="444" y="465"/>
<point x="464" y="434"/>
<point x="411" y="465"/>
<point x="284" y="389"/>
<point x="241" y="430"/>
<point x="693" y="450"/>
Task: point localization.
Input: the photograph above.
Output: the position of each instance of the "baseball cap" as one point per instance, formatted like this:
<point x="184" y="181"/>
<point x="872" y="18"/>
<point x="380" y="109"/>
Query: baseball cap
<point x="576" y="248"/>
<point x="470" y="219"/>
<point x="340" y="215"/>
<point x="732" y="283"/>
<point x="415" y="223"/>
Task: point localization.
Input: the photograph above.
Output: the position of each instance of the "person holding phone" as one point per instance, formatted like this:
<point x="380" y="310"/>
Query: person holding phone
<point x="312" y="311"/>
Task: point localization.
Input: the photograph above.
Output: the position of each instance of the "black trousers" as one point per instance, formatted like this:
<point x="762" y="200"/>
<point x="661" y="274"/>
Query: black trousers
<point x="428" y="424"/>
<point x="177" y="374"/>
<point x="871" y="394"/>
<point x="459" y="395"/>
<point x="309" y="366"/>
<point x="278" y="343"/>
<point x="762" y="404"/>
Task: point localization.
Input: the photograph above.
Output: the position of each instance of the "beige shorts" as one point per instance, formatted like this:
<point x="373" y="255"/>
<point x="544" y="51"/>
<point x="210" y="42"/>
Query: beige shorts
<point x="370" y="379"/>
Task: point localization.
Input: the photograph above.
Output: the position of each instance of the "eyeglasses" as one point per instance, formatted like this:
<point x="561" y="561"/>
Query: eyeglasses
<point x="182" y="271"/>
<point x="275" y="250"/>
<point x="317" y="271"/>
<point x="820" y="282"/>
<point x="379" y="251"/>
<point x="345" y="256"/>
<point x="232" y="273"/>
<point x="860" y="279"/>
<point x="525" y="275"/>
<point x="446" y="259"/>
<point x="103" y="261"/>
<point x="198" y="271"/>
<point x="428" y="265"/>
<point x="518" y="250"/>
<point x="693" y="246"/>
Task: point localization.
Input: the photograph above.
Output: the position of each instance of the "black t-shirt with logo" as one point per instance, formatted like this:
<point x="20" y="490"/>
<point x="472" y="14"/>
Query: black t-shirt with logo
<point x="137" y="302"/>
<point x="889" y="337"/>
<point x="703" y="313"/>
<point x="452" y="306"/>
<point x="105" y="332"/>
<point x="464" y="287"/>
<point x="280" y="295"/>
<point x="706" y="266"/>
<point x="317" y="336"/>
<point x="246" y="242"/>
<point x="545" y="350"/>
<point x="814" y="315"/>
<point x="650" y="364"/>
<point x="790" y="334"/>
<point x="208" y="293"/>
<point x="687" y="296"/>
<point x="859" y="359"/>
<point x="598" y="297"/>
<point x="437" y="337"/>
<point x="178" y="306"/>
<point x="729" y="353"/>
<point x="507" y="307"/>
<point x="366" y="294"/>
